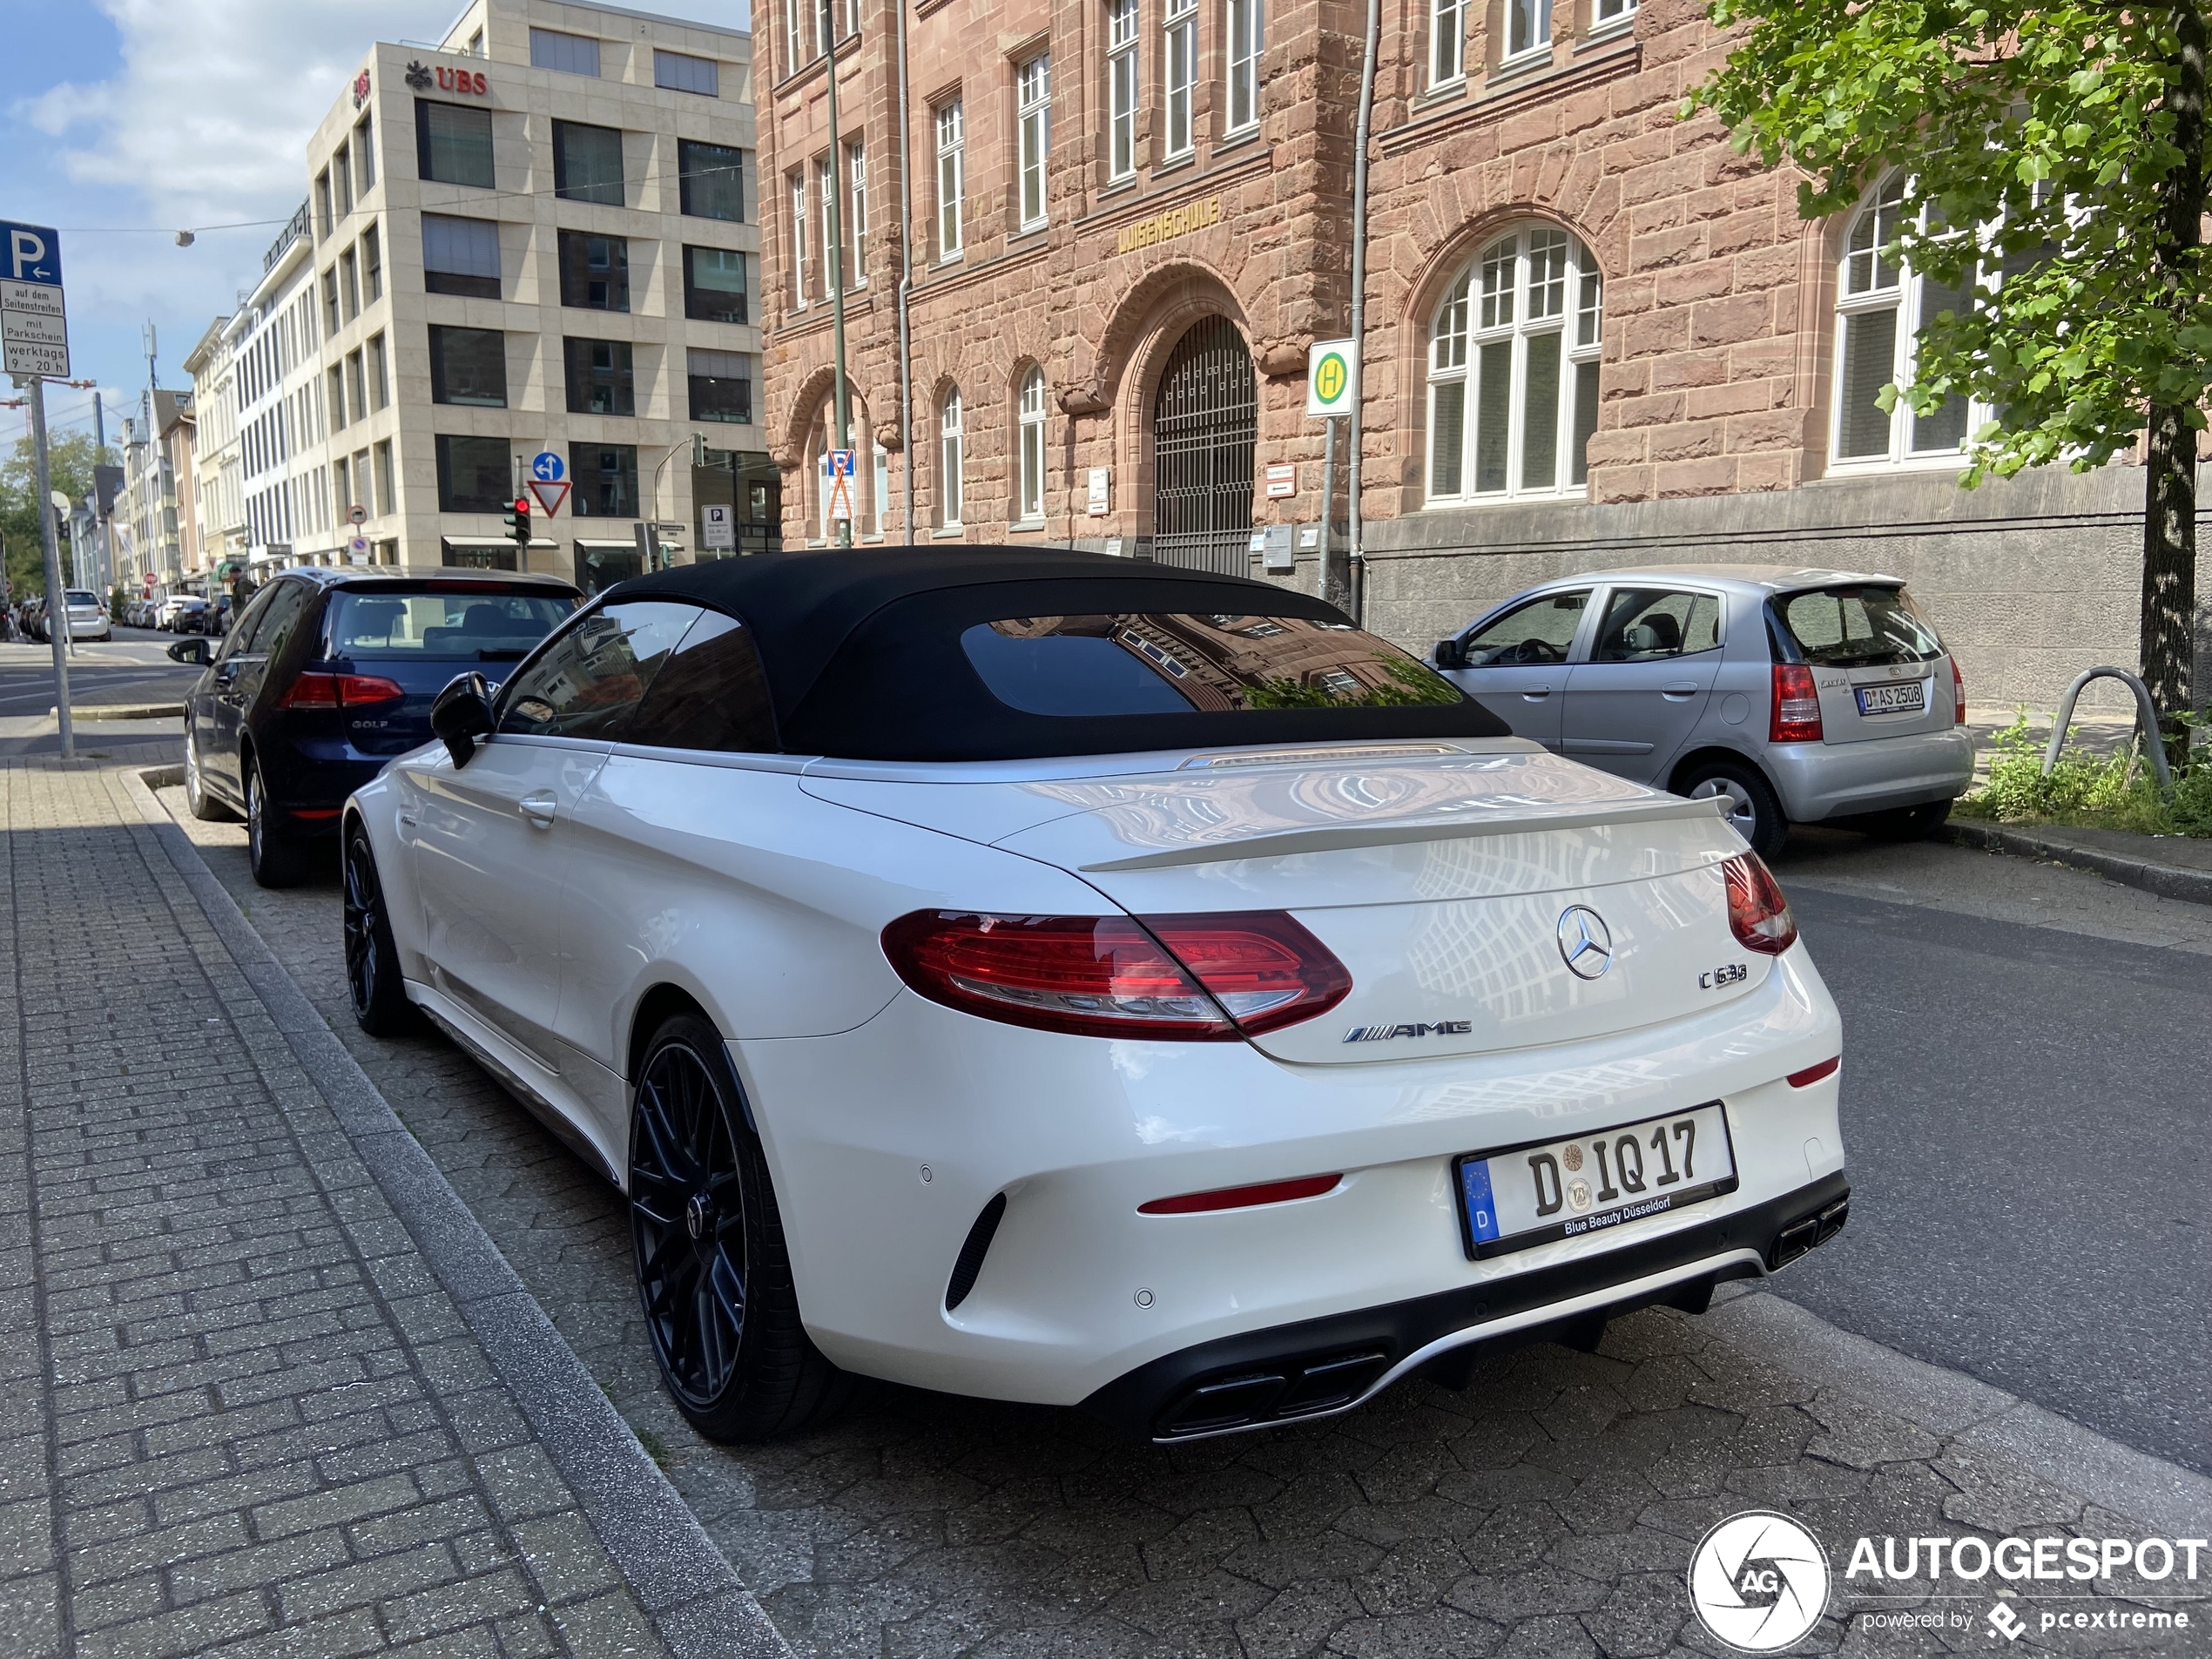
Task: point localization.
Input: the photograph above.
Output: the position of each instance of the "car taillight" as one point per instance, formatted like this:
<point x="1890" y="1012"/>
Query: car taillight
<point x="1958" y="695"/>
<point x="1757" y="913"/>
<point x="1796" y="706"/>
<point x="1184" y="978"/>
<point x="319" y="691"/>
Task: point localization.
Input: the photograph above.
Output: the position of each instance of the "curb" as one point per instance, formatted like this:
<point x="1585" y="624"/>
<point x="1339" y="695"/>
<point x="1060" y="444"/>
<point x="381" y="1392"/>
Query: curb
<point x="121" y="712"/>
<point x="2164" y="879"/>
<point x="687" y="1588"/>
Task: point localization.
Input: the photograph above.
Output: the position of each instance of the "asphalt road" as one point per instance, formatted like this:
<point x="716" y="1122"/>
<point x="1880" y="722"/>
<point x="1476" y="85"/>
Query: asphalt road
<point x="2029" y="1131"/>
<point x="133" y="667"/>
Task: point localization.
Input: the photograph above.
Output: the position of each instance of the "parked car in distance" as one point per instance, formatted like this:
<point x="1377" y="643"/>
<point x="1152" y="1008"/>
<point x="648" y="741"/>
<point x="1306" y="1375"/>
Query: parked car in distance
<point x="30" y="616"/>
<point x="1797" y="696"/>
<point x="178" y="612"/>
<point x="1052" y="978"/>
<point x="212" y="618"/>
<point x="328" y="674"/>
<point x="88" y="615"/>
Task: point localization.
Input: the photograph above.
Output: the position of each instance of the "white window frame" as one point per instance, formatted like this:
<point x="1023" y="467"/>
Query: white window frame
<point x="952" y="180"/>
<point x="798" y="239"/>
<point x="952" y="456"/>
<point x="1247" y="32"/>
<point x="1033" y="123"/>
<point x="1029" y="420"/>
<point x="1448" y="42"/>
<point x="1528" y="29"/>
<point x="800" y="29"/>
<point x="1868" y="285"/>
<point x="856" y="212"/>
<point x="833" y="249"/>
<point x="1531" y="292"/>
<point x="1124" y="30"/>
<point x="1606" y="16"/>
<point x="1179" y="76"/>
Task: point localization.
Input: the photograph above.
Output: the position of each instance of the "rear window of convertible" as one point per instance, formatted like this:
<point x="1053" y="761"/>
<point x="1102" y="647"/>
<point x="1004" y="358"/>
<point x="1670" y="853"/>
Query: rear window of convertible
<point x="1174" y="662"/>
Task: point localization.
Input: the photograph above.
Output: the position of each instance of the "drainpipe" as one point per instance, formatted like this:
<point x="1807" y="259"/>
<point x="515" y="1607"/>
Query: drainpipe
<point x="1359" y="299"/>
<point x="906" y="287"/>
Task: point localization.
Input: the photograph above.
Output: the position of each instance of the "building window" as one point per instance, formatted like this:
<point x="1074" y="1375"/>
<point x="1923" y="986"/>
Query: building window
<point x="1446" y="43"/>
<point x="342" y="178"/>
<point x="587" y="162"/>
<point x="1029" y="417"/>
<point x="676" y="72"/>
<point x="461" y="256"/>
<point x="349" y="283"/>
<point x="372" y="265"/>
<point x="453" y="144"/>
<point x="329" y="307"/>
<point x="606" y="480"/>
<point x="1122" y="29"/>
<point x="365" y="151"/>
<point x="1528" y="26"/>
<point x="1180" y="53"/>
<point x="1246" y="30"/>
<point x="322" y="205"/>
<point x="356" y="386"/>
<point x="710" y="180"/>
<point x="569" y="54"/>
<point x="799" y="241"/>
<point x="474" y="475"/>
<point x="380" y="376"/>
<point x="952" y="177"/>
<point x="1032" y="117"/>
<point x="856" y="209"/>
<point x="1512" y="370"/>
<point x="600" y="377"/>
<point x="1881" y="305"/>
<point x="721" y="385"/>
<point x="1606" y="12"/>
<point x="386" y="497"/>
<point x="594" y="271"/>
<point x="802" y="26"/>
<point x="834" y="272"/>
<point x="714" y="285"/>
<point x="951" y="455"/>
<point x="337" y="402"/>
<point x="468" y="365"/>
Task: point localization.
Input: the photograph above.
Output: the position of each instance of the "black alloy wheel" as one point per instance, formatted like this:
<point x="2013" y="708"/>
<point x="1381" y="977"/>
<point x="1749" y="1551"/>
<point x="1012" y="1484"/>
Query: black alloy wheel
<point x="276" y="859"/>
<point x="373" y="977"/>
<point x="713" y="1276"/>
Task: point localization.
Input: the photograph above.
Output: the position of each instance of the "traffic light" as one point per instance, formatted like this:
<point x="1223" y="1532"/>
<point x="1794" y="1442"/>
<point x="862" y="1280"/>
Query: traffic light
<point x="518" y="523"/>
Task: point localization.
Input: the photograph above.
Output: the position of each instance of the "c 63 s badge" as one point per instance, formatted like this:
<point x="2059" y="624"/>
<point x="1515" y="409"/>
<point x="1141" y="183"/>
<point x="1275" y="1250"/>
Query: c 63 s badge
<point x="1731" y="974"/>
<point x="1384" y="1033"/>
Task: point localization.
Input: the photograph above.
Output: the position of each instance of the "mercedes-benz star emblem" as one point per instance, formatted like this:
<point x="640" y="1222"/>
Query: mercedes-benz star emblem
<point x="1585" y="942"/>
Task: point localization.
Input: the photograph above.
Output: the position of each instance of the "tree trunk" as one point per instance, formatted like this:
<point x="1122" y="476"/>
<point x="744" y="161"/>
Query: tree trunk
<point x="2168" y="623"/>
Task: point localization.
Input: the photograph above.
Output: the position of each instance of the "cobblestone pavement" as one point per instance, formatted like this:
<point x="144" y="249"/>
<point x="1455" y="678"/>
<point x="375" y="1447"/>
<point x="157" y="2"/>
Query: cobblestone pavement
<point x="237" y="1414"/>
<point x="1549" y="1507"/>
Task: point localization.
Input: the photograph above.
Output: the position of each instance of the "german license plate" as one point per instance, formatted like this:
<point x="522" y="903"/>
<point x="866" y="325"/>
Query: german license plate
<point x="1899" y="696"/>
<point x="1531" y="1194"/>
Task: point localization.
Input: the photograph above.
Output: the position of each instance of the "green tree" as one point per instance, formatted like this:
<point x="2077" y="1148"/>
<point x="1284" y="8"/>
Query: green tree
<point x="69" y="459"/>
<point x="2054" y="168"/>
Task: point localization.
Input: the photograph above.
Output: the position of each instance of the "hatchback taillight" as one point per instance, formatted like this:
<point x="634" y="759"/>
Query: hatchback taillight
<point x="1183" y="978"/>
<point x="1796" y="706"/>
<point x="1957" y="695"/>
<point x="313" y="690"/>
<point x="1757" y="913"/>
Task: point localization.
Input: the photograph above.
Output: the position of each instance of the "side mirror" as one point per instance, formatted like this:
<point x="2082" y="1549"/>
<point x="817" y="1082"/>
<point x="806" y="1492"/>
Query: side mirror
<point x="1451" y="653"/>
<point x="190" y="650"/>
<point x="461" y="714"/>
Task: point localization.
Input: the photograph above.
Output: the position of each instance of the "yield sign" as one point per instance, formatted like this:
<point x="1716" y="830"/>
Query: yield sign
<point x="549" y="496"/>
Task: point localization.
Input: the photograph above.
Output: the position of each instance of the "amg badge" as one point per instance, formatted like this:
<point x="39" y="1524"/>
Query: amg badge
<point x="1384" y="1033"/>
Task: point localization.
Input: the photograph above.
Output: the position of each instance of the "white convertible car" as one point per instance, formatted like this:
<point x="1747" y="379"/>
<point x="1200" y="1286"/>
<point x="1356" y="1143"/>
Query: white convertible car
<point x="1052" y="978"/>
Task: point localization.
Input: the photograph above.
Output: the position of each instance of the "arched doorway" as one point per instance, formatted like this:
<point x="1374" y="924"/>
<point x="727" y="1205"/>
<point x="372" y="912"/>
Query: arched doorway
<point x="1205" y="422"/>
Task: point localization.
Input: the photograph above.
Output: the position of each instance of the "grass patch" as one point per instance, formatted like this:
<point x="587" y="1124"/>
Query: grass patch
<point x="2083" y="790"/>
<point x="656" y="1448"/>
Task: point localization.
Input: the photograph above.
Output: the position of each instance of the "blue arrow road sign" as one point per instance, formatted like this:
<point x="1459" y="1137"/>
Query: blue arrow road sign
<point x="31" y="253"/>
<point x="545" y="467"/>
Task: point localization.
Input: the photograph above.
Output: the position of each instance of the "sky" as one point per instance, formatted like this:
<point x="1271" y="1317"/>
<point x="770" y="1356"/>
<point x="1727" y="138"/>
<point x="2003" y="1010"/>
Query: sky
<point x="124" y="121"/>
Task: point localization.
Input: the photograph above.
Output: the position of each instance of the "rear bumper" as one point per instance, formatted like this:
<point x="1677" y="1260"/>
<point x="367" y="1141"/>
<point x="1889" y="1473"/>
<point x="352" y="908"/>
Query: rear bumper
<point x="1823" y="780"/>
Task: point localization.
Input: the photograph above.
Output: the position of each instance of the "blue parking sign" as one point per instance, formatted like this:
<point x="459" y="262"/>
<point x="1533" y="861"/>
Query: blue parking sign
<point x="31" y="253"/>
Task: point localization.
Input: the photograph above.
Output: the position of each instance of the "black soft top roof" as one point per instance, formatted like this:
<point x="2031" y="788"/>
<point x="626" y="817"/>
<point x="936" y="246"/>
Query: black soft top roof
<point x="862" y="654"/>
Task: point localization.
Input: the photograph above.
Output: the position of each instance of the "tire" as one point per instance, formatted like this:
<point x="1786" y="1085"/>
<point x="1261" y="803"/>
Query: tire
<point x="1754" y="811"/>
<point x="1906" y="822"/>
<point x="713" y="1273"/>
<point x="374" y="982"/>
<point x="202" y="805"/>
<point x="277" y="861"/>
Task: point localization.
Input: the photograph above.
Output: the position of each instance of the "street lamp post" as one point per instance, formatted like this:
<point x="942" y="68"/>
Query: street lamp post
<point x="836" y="252"/>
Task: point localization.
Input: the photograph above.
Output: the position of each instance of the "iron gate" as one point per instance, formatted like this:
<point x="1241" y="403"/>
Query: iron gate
<point x="1206" y="421"/>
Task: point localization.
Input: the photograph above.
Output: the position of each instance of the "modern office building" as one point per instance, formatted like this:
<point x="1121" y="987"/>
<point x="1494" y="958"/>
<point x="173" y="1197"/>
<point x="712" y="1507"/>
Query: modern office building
<point x="540" y="236"/>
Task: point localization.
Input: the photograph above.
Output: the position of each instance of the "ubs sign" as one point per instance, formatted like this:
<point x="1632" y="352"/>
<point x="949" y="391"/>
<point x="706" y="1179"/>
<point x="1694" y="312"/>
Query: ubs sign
<point x="421" y="78"/>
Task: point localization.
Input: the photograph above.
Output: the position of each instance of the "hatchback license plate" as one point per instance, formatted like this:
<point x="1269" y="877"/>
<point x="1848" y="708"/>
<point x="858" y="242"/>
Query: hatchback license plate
<point x="1548" y="1190"/>
<point x="1901" y="697"/>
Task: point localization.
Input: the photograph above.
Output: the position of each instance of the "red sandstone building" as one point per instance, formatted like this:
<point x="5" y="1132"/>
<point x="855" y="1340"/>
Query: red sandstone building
<point x="1594" y="334"/>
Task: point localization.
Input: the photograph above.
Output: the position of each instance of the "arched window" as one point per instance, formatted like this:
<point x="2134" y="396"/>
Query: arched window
<point x="1513" y="356"/>
<point x="950" y="458"/>
<point x="1029" y="417"/>
<point x="1881" y="303"/>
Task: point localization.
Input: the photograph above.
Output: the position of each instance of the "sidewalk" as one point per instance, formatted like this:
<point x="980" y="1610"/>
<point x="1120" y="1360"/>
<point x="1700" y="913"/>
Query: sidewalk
<point x="268" y="1388"/>
<point x="2172" y="866"/>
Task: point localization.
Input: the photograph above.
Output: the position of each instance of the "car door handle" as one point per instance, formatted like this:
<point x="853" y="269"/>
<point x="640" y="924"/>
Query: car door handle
<point x="1535" y="694"/>
<point x="539" y="808"/>
<point x="1676" y="690"/>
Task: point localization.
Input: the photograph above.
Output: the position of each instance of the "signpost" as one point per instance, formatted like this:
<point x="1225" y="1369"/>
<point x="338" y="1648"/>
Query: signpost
<point x="357" y="513"/>
<point x="837" y="467"/>
<point x="719" y="527"/>
<point x="34" y="343"/>
<point x="1332" y="390"/>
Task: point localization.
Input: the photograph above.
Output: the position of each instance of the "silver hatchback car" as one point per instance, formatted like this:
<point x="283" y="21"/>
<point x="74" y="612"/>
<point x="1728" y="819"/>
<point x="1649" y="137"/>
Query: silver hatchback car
<point x="1801" y="697"/>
